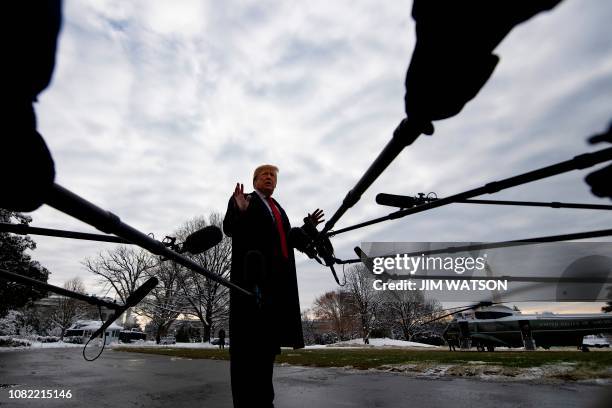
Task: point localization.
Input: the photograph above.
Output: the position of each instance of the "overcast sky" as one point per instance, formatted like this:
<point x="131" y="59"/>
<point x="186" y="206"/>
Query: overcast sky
<point x="157" y="109"/>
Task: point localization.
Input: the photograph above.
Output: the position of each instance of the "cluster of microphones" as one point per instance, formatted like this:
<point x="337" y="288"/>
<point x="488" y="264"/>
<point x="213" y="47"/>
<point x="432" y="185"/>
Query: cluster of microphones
<point x="305" y="239"/>
<point x="315" y="245"/>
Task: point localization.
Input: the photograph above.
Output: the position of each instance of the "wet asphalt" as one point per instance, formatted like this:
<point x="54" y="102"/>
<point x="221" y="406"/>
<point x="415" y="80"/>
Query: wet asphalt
<point x="119" y="379"/>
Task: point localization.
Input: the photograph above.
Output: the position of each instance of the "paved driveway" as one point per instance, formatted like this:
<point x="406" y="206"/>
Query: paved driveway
<point x="120" y="379"/>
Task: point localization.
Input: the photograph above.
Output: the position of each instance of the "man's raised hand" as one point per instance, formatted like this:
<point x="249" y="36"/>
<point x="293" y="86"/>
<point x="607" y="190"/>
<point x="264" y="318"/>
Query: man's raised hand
<point x="241" y="200"/>
<point x="316" y="217"/>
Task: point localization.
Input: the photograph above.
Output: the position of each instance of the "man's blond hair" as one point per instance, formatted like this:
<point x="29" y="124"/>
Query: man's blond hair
<point x="263" y="168"/>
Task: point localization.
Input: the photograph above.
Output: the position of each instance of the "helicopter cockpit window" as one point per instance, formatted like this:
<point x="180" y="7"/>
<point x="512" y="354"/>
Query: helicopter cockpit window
<point x="492" y="315"/>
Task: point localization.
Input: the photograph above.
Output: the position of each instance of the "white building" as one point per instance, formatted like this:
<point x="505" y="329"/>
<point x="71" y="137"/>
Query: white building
<point x="83" y="329"/>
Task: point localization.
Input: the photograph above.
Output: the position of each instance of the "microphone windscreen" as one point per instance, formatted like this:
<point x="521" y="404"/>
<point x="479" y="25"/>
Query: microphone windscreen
<point x="254" y="268"/>
<point x="365" y="259"/>
<point x="141" y="292"/>
<point x="359" y="252"/>
<point x="393" y="200"/>
<point x="131" y="301"/>
<point x="202" y="240"/>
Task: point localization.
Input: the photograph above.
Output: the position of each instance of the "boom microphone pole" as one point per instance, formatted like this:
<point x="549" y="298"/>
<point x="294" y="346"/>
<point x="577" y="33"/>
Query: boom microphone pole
<point x="24" y="280"/>
<point x="67" y="202"/>
<point x="401" y="201"/>
<point x="491" y="245"/>
<point x="445" y="71"/>
<point x="23" y="229"/>
<point x="197" y="242"/>
<point x="131" y="301"/>
<point x="580" y="162"/>
<point x="404" y="135"/>
<point x="553" y="204"/>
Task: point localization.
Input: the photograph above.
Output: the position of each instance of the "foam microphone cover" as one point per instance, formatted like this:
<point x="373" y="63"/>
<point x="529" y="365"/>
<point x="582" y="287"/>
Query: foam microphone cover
<point x="141" y="292"/>
<point x="131" y="301"/>
<point x="452" y="58"/>
<point x="393" y="200"/>
<point x="202" y="240"/>
<point x="365" y="259"/>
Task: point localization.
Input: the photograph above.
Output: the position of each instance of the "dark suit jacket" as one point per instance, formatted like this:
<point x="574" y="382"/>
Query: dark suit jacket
<point x="277" y="322"/>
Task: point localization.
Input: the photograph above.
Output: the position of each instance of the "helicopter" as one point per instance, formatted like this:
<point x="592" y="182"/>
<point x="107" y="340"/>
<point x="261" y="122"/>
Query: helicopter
<point x="488" y="327"/>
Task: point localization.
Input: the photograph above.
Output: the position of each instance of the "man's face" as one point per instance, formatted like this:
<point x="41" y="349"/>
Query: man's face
<point x="266" y="182"/>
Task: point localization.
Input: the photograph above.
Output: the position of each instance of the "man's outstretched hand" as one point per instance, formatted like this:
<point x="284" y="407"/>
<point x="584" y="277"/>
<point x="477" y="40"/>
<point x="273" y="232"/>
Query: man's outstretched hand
<point x="241" y="200"/>
<point x="316" y="217"/>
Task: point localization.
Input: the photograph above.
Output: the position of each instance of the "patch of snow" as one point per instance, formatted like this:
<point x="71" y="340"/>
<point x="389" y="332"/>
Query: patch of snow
<point x="40" y="345"/>
<point x="380" y="342"/>
<point x="61" y="344"/>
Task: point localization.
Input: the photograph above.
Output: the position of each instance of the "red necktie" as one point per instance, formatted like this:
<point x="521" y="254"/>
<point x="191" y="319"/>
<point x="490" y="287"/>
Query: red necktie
<point x="279" y="227"/>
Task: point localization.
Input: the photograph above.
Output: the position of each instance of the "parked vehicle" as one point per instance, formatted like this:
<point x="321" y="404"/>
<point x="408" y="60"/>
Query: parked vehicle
<point x="129" y="336"/>
<point x="595" y="340"/>
<point x="168" y="340"/>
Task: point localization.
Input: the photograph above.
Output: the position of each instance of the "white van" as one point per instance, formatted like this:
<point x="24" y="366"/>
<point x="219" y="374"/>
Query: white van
<point x="167" y="340"/>
<point x="595" y="340"/>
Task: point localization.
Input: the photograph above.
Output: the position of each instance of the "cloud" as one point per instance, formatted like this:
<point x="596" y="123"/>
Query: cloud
<point x="156" y="110"/>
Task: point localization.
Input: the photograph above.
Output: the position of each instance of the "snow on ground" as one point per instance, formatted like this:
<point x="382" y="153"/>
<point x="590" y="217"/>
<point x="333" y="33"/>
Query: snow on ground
<point x="355" y="343"/>
<point x="39" y="345"/>
<point x="383" y="342"/>
<point x="60" y="344"/>
<point x="559" y="372"/>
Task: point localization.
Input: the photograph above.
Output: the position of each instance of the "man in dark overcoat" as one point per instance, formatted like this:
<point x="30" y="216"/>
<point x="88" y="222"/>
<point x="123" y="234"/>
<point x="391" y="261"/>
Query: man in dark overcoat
<point x="259" y="326"/>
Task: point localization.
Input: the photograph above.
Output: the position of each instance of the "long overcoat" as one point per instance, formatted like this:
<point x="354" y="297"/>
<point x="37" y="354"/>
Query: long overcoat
<point x="276" y="320"/>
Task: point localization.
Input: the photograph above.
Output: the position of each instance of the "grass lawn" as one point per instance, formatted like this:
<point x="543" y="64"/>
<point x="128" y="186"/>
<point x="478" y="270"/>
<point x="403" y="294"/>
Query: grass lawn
<point x="373" y="358"/>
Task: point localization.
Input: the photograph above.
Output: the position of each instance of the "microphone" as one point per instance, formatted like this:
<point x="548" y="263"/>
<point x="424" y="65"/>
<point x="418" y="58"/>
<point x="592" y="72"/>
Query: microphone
<point x="399" y="201"/>
<point x="360" y="253"/>
<point x="365" y="259"/>
<point x="202" y="240"/>
<point x="131" y="301"/>
<point x="316" y="246"/>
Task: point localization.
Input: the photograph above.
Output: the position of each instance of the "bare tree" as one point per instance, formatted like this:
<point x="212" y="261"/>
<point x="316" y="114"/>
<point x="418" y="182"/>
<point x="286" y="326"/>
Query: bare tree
<point x="68" y="310"/>
<point x="121" y="269"/>
<point x="337" y="308"/>
<point x="164" y="304"/>
<point x="207" y="300"/>
<point x="365" y="299"/>
<point x="407" y="311"/>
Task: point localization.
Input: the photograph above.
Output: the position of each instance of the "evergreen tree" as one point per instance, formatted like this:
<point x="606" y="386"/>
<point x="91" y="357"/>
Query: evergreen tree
<point x="13" y="258"/>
